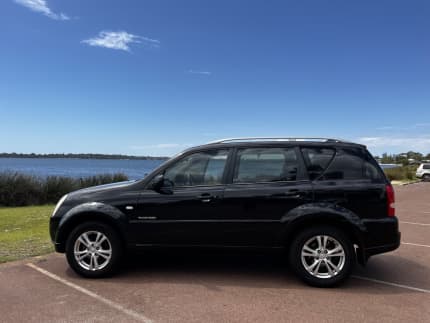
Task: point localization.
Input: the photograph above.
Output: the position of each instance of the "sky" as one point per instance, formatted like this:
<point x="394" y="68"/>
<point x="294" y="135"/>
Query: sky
<point x="152" y="77"/>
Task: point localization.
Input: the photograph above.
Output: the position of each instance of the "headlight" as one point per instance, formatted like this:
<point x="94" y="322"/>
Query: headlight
<point x="59" y="204"/>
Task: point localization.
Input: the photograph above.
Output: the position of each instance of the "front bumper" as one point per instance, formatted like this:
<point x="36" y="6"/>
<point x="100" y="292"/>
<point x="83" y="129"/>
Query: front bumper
<point x="53" y="228"/>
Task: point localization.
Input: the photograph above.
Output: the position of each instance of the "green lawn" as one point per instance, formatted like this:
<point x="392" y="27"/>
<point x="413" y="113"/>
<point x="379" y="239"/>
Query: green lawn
<point x="24" y="232"/>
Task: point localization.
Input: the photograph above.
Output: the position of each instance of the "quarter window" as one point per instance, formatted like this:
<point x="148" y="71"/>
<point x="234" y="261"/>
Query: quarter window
<point x="202" y="168"/>
<point x="265" y="165"/>
<point x="347" y="164"/>
<point x="317" y="160"/>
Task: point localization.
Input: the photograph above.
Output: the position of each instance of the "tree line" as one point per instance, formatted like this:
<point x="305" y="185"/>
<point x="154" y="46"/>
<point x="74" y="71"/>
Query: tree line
<point x="410" y="157"/>
<point x="80" y="156"/>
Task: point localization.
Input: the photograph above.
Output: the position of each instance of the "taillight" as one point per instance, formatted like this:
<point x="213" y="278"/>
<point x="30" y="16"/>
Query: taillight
<point x="390" y="200"/>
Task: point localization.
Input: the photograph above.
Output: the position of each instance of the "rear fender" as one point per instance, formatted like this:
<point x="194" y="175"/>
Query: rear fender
<point x="312" y="214"/>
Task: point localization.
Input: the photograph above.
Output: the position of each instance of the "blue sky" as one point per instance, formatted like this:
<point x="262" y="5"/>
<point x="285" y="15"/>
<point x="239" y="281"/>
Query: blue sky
<point x="153" y="77"/>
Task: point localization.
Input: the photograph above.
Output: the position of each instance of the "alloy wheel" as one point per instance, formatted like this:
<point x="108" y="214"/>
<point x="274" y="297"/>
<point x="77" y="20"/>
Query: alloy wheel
<point x="92" y="250"/>
<point x="323" y="256"/>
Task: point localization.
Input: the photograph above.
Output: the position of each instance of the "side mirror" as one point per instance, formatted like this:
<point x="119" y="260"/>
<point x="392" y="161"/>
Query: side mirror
<point x="162" y="185"/>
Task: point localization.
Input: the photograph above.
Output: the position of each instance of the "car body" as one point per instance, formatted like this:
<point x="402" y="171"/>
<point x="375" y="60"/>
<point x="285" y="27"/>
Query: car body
<point x="314" y="198"/>
<point x="423" y="171"/>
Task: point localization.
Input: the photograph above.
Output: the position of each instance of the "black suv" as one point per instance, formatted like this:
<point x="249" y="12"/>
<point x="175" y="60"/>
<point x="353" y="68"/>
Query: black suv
<point x="324" y="201"/>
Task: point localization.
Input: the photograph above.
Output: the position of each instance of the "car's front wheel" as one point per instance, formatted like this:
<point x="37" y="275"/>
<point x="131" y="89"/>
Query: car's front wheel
<point x="322" y="256"/>
<point x="93" y="250"/>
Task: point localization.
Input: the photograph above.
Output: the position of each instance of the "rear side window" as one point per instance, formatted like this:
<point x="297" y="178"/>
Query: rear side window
<point x="317" y="160"/>
<point x="371" y="171"/>
<point x="426" y="166"/>
<point x="255" y="165"/>
<point x="343" y="163"/>
<point x="347" y="164"/>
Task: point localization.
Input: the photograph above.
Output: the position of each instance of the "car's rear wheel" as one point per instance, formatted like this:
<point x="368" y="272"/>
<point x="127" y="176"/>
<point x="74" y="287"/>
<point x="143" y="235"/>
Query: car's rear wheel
<point x="93" y="250"/>
<point x="426" y="177"/>
<point x="322" y="256"/>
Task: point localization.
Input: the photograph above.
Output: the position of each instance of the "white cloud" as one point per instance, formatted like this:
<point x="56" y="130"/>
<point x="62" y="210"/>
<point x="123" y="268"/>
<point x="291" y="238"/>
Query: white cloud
<point x="419" y="143"/>
<point x="199" y="72"/>
<point x="160" y="146"/>
<point x="411" y="127"/>
<point x="119" y="40"/>
<point x="41" y="6"/>
<point x="424" y="124"/>
<point x="385" y="128"/>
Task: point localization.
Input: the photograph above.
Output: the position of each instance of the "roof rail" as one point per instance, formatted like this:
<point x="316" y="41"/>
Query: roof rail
<point x="244" y="139"/>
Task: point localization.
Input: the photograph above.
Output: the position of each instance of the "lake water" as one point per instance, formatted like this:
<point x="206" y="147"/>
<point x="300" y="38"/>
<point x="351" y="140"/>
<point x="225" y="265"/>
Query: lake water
<point x="134" y="169"/>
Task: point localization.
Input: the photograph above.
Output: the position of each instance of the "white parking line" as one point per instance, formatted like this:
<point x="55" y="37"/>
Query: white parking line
<point x="133" y="314"/>
<point x="416" y="244"/>
<point x="415" y="223"/>
<point x="416" y="289"/>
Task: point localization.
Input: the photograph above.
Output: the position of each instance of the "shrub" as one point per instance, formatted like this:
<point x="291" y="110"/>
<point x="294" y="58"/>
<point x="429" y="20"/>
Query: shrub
<point x="18" y="189"/>
<point x="400" y="173"/>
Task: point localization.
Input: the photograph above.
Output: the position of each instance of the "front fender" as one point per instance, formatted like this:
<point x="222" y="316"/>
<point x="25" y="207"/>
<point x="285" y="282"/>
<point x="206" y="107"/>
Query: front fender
<point x="93" y="211"/>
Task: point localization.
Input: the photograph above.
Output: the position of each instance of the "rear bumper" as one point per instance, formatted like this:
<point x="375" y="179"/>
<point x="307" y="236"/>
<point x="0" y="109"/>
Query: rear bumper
<point x="383" y="248"/>
<point x="382" y="236"/>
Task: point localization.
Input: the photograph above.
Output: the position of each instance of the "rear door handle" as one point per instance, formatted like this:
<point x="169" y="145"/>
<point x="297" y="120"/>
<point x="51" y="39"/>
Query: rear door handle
<point x="206" y="197"/>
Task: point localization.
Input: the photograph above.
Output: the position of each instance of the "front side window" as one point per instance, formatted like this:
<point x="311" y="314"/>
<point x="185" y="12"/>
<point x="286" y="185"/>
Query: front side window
<point x="255" y="165"/>
<point x="202" y="168"/>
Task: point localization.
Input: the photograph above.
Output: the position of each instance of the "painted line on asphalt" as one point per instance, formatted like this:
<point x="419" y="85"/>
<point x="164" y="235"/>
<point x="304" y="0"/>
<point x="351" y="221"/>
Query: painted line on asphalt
<point x="133" y="314"/>
<point x="415" y="223"/>
<point x="416" y="289"/>
<point x="416" y="244"/>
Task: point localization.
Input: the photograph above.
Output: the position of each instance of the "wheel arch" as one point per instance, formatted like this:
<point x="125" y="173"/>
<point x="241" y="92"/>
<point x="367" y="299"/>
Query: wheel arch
<point x="94" y="212"/>
<point x="342" y="219"/>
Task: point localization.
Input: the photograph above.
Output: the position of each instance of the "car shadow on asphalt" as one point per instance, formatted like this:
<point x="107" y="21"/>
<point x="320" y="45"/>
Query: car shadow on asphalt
<point x="214" y="269"/>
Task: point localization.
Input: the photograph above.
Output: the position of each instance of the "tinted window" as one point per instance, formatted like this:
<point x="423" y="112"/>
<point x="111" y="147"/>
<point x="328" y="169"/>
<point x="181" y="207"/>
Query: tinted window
<point x="426" y="166"/>
<point x="317" y="160"/>
<point x="265" y="165"/>
<point x="347" y="164"/>
<point x="203" y="168"/>
<point x="371" y="171"/>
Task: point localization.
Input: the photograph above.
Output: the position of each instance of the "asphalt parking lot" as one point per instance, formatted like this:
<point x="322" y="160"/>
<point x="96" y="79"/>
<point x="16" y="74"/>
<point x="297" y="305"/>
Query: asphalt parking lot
<point x="229" y="287"/>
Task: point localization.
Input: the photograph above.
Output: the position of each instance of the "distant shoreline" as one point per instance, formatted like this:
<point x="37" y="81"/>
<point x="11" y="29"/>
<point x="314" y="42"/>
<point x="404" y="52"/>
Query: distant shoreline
<point x="82" y="156"/>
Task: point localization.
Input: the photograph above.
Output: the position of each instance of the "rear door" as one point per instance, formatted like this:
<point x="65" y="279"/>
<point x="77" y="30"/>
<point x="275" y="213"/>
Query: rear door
<point x="266" y="183"/>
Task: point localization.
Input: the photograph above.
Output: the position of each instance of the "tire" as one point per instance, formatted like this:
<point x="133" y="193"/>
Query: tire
<point x="312" y="262"/>
<point x="84" y="241"/>
<point x="426" y="177"/>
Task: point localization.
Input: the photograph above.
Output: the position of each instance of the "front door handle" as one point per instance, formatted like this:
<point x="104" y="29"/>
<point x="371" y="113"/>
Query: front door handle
<point x="291" y="194"/>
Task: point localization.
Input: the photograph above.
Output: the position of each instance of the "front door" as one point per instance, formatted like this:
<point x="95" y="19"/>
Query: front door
<point x="187" y="216"/>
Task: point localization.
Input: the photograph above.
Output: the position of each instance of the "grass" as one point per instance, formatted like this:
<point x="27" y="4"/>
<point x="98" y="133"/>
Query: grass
<point x="24" y="232"/>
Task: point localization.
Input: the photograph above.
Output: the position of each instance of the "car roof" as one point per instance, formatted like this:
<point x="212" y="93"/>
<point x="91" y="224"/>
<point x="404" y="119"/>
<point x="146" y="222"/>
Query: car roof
<point x="275" y="142"/>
